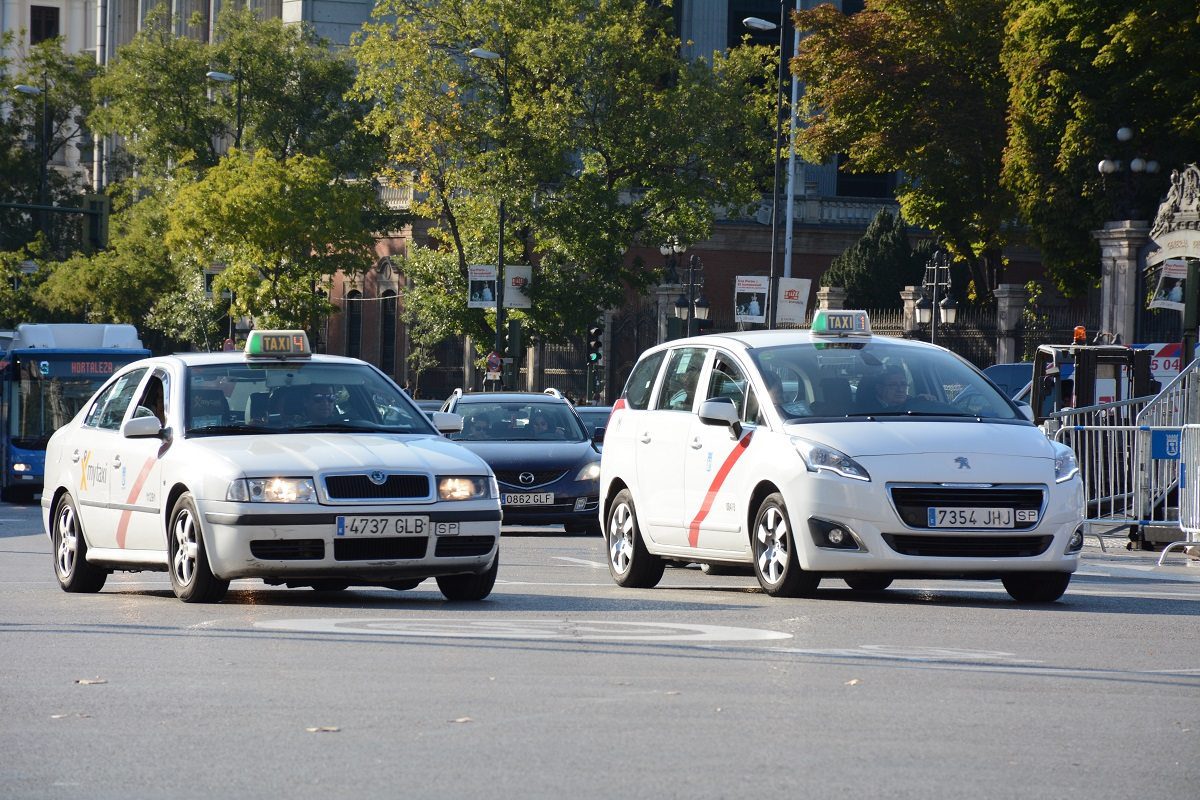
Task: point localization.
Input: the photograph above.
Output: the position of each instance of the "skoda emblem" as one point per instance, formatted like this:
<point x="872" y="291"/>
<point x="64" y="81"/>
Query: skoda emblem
<point x="377" y="477"/>
<point x="525" y="478"/>
<point x="962" y="462"/>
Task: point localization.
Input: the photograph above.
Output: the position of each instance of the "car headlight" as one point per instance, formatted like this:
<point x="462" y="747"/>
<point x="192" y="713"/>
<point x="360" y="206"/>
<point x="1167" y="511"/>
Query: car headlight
<point x="590" y="472"/>
<point x="272" y="490"/>
<point x="818" y="457"/>
<point x="20" y="466"/>
<point x="1065" y="465"/>
<point x="459" y="488"/>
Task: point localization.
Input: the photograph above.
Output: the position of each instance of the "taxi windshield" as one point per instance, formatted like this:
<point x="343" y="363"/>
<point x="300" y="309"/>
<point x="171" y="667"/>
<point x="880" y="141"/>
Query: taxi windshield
<point x="518" y="421"/>
<point x="294" y="397"/>
<point x="877" y="378"/>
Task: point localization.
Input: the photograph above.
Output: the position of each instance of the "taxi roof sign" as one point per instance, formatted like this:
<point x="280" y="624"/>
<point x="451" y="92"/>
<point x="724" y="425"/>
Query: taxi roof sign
<point x="828" y="322"/>
<point x="277" y="344"/>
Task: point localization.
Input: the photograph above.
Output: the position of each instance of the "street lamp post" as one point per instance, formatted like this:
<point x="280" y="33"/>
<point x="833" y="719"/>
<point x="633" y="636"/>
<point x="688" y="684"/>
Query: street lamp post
<point x="762" y="25"/>
<point x="236" y="78"/>
<point x="1126" y="206"/>
<point x="43" y="142"/>
<point x="690" y="307"/>
<point x="670" y="250"/>
<point x="929" y="311"/>
<point x="489" y="55"/>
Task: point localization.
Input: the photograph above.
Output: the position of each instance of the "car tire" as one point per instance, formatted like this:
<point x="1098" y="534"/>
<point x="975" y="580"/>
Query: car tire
<point x="468" y="588"/>
<point x="629" y="562"/>
<point x="71" y="567"/>
<point x="403" y="586"/>
<point x="1036" y="587"/>
<point x="868" y="583"/>
<point x="191" y="577"/>
<point x="776" y="564"/>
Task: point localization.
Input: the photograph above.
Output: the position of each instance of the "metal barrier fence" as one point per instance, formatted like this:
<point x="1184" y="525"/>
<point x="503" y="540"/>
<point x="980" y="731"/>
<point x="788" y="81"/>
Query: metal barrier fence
<point x="1189" y="492"/>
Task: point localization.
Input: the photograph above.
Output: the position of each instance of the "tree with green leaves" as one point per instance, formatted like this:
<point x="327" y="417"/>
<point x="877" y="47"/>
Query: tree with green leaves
<point x="51" y="119"/>
<point x="581" y="117"/>
<point x="19" y="281"/>
<point x="1079" y="70"/>
<point x="878" y="266"/>
<point x="281" y="228"/>
<point x="916" y="87"/>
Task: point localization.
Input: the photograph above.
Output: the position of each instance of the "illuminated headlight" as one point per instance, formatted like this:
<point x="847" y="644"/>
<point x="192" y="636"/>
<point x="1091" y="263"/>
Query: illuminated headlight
<point x="272" y="490"/>
<point x="819" y="457"/>
<point x="590" y="472"/>
<point x="462" y="488"/>
<point x="1065" y="466"/>
<point x="21" y="466"/>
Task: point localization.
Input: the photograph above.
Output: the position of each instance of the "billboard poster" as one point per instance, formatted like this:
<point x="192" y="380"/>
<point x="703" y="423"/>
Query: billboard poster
<point x="1170" y="290"/>
<point x="481" y="286"/>
<point x="793" y="301"/>
<point x="516" y="278"/>
<point x="750" y="298"/>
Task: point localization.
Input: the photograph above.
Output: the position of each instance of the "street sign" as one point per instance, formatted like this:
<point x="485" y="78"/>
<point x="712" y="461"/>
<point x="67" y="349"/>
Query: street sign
<point x="493" y="362"/>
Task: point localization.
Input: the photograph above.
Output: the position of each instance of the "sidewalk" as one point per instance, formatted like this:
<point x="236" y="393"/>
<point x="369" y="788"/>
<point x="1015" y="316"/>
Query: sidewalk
<point x="1116" y="561"/>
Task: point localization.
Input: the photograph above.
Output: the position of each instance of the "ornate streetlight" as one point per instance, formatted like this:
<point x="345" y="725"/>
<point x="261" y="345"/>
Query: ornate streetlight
<point x="929" y="309"/>
<point x="670" y="250"/>
<point x="1126" y="205"/>
<point x="690" y="307"/>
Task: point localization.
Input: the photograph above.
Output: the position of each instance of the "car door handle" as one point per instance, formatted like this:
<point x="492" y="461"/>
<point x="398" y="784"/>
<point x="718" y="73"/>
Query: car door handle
<point x="75" y="455"/>
<point x="697" y="444"/>
<point x="646" y="437"/>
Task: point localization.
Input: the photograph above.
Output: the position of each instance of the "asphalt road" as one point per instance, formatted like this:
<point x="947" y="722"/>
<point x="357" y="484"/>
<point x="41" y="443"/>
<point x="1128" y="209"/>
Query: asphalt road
<point x="562" y="684"/>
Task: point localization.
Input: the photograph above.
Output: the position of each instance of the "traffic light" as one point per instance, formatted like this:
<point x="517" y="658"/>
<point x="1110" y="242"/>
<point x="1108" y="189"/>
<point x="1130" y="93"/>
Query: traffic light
<point x="510" y="339"/>
<point x="95" y="222"/>
<point x="595" y="344"/>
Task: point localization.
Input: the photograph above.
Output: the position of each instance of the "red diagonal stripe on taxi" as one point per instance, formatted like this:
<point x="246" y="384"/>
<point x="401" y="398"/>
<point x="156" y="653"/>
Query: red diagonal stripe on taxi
<point x="134" y="491"/>
<point x="715" y="487"/>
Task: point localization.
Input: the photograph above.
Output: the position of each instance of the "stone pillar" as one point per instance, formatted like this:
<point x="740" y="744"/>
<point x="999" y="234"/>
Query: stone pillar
<point x="1010" y="302"/>
<point x="535" y="367"/>
<point x="909" y="296"/>
<point x="468" y="373"/>
<point x="831" y="297"/>
<point x="665" y="296"/>
<point x="1120" y="242"/>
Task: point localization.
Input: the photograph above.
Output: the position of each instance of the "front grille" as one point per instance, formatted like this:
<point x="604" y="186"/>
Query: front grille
<point x="360" y="487"/>
<point x="913" y="502"/>
<point x="540" y="477"/>
<point x="288" y="549"/>
<point x="978" y="546"/>
<point x="451" y="546"/>
<point x="384" y="547"/>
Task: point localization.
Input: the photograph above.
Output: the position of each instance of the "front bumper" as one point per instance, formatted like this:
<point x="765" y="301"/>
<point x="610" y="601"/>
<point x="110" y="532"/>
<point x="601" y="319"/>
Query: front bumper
<point x="574" y="502"/>
<point x="255" y="541"/>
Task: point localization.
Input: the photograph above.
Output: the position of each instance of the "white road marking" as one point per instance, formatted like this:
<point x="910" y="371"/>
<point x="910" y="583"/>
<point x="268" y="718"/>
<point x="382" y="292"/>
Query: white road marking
<point x="583" y="630"/>
<point x="581" y="562"/>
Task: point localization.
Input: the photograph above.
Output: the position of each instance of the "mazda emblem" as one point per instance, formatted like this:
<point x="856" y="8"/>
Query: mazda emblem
<point x="377" y="477"/>
<point x="526" y="478"/>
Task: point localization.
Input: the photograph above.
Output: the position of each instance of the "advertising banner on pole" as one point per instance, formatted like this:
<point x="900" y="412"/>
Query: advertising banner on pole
<point x="1170" y="290"/>
<point x="750" y="298"/>
<point x="793" y="301"/>
<point x="481" y="286"/>
<point x="516" y="278"/>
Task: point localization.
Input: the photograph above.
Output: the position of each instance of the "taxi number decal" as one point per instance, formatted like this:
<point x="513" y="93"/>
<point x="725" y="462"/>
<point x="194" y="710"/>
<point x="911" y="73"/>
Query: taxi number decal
<point x="715" y="486"/>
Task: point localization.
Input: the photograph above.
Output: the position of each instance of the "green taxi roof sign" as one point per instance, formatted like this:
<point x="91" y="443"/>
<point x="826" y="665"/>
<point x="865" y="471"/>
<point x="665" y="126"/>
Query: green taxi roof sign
<point x="828" y="322"/>
<point x="277" y="344"/>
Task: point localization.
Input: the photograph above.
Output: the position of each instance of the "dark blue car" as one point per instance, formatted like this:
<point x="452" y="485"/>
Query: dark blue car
<point x="547" y="464"/>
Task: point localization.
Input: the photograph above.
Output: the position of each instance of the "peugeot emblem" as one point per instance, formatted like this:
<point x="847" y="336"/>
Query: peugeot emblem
<point x="377" y="477"/>
<point x="525" y="478"/>
<point x="962" y="462"/>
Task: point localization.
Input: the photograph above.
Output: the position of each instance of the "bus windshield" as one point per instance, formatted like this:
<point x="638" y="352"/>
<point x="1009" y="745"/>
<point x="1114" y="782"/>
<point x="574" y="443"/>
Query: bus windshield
<point x="47" y="389"/>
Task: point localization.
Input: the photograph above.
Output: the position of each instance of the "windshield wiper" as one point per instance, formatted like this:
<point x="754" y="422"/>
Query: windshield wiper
<point x="339" y="427"/>
<point x="221" y="430"/>
<point x="913" y="414"/>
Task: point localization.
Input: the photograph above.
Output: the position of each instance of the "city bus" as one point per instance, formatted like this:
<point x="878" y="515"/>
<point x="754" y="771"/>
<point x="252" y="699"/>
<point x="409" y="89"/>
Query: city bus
<point x="47" y="373"/>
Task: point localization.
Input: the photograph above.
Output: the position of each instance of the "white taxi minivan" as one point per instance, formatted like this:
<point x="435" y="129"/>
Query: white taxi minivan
<point x="833" y="452"/>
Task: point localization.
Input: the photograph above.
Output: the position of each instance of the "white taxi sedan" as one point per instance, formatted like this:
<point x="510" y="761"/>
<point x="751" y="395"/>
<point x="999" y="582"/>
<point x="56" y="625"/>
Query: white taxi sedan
<point x="833" y="453"/>
<point x="298" y="469"/>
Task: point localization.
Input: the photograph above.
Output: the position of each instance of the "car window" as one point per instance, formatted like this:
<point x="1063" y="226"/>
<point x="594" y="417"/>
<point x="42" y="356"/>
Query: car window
<point x="518" y="420"/>
<point x="153" y="401"/>
<point x="109" y="408"/>
<point x="241" y="398"/>
<point x="728" y="380"/>
<point x="641" y="381"/>
<point x="678" y="391"/>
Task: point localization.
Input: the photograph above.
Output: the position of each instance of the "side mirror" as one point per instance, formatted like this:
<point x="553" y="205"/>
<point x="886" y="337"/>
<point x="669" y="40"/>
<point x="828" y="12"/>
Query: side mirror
<point x="446" y="422"/>
<point x="598" y="435"/>
<point x="141" y="428"/>
<point x="721" y="411"/>
<point x="1025" y="409"/>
